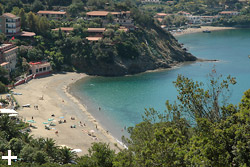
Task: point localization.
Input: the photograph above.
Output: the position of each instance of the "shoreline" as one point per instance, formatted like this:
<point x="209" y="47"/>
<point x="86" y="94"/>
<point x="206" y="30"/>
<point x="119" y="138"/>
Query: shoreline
<point x="58" y="101"/>
<point x="201" y="29"/>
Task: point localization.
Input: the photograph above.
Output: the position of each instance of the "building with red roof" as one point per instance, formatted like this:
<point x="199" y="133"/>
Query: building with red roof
<point x="52" y="15"/>
<point x="40" y="68"/>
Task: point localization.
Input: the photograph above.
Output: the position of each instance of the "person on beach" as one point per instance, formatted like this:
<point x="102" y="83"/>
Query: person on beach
<point x="32" y="117"/>
<point x="99" y="108"/>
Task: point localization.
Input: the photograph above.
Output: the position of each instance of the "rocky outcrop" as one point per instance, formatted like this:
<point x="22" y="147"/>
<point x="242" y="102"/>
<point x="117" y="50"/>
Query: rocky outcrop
<point x="157" y="48"/>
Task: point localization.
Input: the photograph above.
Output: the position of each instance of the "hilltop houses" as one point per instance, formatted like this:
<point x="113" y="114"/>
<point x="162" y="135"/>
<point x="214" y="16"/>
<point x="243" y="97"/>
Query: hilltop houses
<point x="10" y="24"/>
<point x="151" y="1"/>
<point x="122" y="18"/>
<point x="53" y="15"/>
<point x="229" y="13"/>
<point x="66" y="30"/>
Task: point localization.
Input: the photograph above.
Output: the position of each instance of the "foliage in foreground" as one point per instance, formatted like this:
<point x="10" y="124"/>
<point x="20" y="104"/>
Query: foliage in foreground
<point x="216" y="134"/>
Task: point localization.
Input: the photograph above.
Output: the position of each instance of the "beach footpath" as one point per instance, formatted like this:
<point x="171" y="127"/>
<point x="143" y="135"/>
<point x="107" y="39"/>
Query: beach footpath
<point x="54" y="113"/>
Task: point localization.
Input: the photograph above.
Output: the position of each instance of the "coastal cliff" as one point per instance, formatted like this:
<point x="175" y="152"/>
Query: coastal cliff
<point x="120" y="53"/>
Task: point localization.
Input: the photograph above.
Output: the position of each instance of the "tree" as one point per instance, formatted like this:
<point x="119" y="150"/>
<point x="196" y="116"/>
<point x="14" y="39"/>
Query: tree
<point x="41" y="157"/>
<point x="15" y="145"/>
<point x="32" y="21"/>
<point x="66" y="155"/>
<point x="198" y="102"/>
<point x="3" y="88"/>
<point x="15" y="10"/>
<point x="100" y="155"/>
<point x="27" y="153"/>
<point x="37" y="5"/>
<point x="43" y="25"/>
<point x="23" y="18"/>
<point x="1" y="9"/>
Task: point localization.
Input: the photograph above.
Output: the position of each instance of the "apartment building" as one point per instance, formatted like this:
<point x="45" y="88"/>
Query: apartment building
<point x="10" y="24"/>
<point x="8" y="56"/>
<point x="53" y="15"/>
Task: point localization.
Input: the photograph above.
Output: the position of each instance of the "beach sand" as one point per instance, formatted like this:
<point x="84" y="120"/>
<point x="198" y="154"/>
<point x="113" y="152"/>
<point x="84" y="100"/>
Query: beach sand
<point x="58" y="101"/>
<point x="202" y="28"/>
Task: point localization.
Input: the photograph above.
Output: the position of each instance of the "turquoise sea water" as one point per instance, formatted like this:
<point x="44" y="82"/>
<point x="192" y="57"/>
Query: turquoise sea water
<point x="123" y="99"/>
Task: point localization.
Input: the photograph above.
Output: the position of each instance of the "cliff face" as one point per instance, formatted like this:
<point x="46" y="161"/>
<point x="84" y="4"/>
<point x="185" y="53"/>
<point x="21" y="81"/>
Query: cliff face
<point x="142" y="50"/>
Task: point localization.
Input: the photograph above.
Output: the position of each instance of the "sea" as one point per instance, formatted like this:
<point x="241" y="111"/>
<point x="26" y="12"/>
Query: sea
<point x="119" y="102"/>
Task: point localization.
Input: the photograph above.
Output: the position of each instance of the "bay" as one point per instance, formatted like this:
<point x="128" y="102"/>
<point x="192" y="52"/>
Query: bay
<point x="123" y="99"/>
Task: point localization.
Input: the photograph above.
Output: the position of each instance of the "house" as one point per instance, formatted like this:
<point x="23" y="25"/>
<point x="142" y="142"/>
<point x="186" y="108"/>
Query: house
<point x="124" y="29"/>
<point x="194" y="19"/>
<point x="161" y="15"/>
<point x="64" y="29"/>
<point x="52" y="15"/>
<point x="151" y="1"/>
<point x="97" y="14"/>
<point x="181" y="13"/>
<point x="229" y="13"/>
<point x="96" y="32"/>
<point x="208" y="19"/>
<point x="170" y="2"/>
<point x="93" y="38"/>
<point x="40" y="68"/>
<point x="10" y="24"/>
<point x="8" y="56"/>
<point x="122" y="18"/>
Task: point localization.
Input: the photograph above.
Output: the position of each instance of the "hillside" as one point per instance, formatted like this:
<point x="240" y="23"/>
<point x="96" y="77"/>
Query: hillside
<point x="134" y="52"/>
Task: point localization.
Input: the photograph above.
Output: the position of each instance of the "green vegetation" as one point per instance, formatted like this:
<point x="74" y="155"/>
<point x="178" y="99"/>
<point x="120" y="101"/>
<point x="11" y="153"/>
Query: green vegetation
<point x="143" y="47"/>
<point x="200" y="129"/>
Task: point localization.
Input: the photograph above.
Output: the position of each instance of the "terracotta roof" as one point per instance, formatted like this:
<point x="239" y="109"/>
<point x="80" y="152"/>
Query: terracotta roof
<point x="50" y="12"/>
<point x="96" y="29"/>
<point x="39" y="62"/>
<point x="115" y="12"/>
<point x="97" y="13"/>
<point x="7" y="51"/>
<point x="4" y="63"/>
<point x="161" y="14"/>
<point x="181" y="12"/>
<point x="123" y="29"/>
<point x="10" y="15"/>
<point x="228" y="12"/>
<point x="27" y="34"/>
<point x="64" y="29"/>
<point x="159" y="19"/>
<point x="93" y="38"/>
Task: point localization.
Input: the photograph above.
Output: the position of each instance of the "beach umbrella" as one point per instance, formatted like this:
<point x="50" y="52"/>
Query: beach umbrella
<point x="45" y="122"/>
<point x="76" y="150"/>
<point x="50" y="119"/>
<point x="31" y="121"/>
<point x="61" y="117"/>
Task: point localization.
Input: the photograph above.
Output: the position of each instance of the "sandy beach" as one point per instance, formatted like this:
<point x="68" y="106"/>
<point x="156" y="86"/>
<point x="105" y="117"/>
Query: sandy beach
<point x="52" y="98"/>
<point x="202" y="28"/>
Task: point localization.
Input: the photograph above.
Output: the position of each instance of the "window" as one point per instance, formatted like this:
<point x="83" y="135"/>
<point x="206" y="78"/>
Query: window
<point x="44" y="68"/>
<point x="40" y="69"/>
<point x="48" y="68"/>
<point x="36" y="70"/>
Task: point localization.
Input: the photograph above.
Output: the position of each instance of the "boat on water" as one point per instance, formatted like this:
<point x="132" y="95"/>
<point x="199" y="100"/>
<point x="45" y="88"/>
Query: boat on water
<point x="206" y="31"/>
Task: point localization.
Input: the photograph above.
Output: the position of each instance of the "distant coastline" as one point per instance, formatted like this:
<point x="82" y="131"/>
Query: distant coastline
<point x="201" y="29"/>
